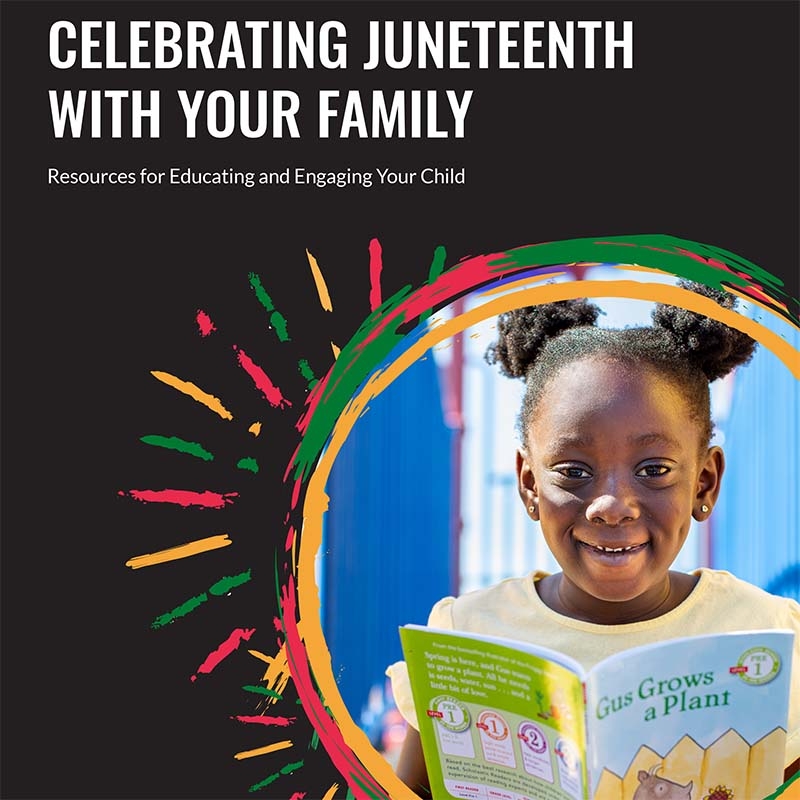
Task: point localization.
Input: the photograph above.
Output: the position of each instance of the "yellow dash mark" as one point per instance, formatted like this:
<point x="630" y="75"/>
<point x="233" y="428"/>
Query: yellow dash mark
<point x="336" y="350"/>
<point x="331" y="792"/>
<point x="262" y="751"/>
<point x="322" y="289"/>
<point x="194" y="392"/>
<point x="255" y="428"/>
<point x="181" y="551"/>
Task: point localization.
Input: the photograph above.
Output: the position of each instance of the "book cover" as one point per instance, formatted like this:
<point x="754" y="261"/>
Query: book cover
<point x="227" y="228"/>
<point x="680" y="718"/>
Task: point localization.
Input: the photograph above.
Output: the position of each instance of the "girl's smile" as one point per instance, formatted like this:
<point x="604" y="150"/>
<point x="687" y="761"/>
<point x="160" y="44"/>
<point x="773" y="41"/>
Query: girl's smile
<point x="615" y="475"/>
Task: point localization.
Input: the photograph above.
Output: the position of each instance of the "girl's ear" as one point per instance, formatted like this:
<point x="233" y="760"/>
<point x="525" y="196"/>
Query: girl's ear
<point x="526" y="486"/>
<point x="708" y="484"/>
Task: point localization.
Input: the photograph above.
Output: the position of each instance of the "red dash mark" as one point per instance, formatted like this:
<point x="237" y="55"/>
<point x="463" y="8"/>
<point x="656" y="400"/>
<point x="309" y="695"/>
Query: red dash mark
<point x="282" y="722"/>
<point x="298" y="796"/>
<point x="237" y="636"/>
<point x="289" y="538"/>
<point x="375" y="267"/>
<point x="204" y="323"/>
<point x="261" y="380"/>
<point x="182" y="497"/>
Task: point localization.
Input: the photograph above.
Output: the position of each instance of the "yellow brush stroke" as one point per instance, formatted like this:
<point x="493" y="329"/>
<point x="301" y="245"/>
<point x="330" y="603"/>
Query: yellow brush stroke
<point x="194" y="392"/>
<point x="322" y="289"/>
<point x="181" y="551"/>
<point x="331" y="792"/>
<point x="277" y="673"/>
<point x="336" y="350"/>
<point x="316" y="501"/>
<point x="262" y="751"/>
<point x="255" y="428"/>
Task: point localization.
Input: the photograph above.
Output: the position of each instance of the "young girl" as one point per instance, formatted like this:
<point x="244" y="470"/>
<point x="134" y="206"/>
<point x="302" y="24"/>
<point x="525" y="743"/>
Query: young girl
<point x="615" y="461"/>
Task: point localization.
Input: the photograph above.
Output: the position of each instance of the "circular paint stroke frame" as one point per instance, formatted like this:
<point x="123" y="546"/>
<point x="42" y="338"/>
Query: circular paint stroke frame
<point x="388" y="342"/>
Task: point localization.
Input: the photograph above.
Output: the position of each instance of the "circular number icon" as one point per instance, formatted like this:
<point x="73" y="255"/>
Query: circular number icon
<point x="493" y="725"/>
<point x="760" y="664"/>
<point x="533" y="737"/>
<point x="450" y="713"/>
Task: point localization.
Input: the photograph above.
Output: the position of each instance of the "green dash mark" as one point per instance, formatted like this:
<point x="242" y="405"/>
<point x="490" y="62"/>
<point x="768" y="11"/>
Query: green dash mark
<point x="276" y="319"/>
<point x="224" y="585"/>
<point x="262" y="690"/>
<point x="221" y="587"/>
<point x="247" y="463"/>
<point x="181" y="611"/>
<point x="285" y="770"/>
<point x="181" y="445"/>
<point x="435" y="270"/>
<point x="305" y="371"/>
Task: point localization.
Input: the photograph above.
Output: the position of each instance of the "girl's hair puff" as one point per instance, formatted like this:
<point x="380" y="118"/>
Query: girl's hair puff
<point x="690" y="349"/>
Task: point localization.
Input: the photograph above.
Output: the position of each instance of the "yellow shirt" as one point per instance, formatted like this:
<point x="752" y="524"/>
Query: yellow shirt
<point x="512" y="608"/>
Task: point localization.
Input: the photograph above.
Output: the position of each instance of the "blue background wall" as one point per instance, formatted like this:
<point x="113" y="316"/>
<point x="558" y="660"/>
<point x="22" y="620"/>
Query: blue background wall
<point x="756" y="530"/>
<point x="387" y="539"/>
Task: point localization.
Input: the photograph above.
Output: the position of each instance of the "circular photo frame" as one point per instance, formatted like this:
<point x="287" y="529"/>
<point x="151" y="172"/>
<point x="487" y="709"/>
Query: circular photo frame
<point x="401" y="331"/>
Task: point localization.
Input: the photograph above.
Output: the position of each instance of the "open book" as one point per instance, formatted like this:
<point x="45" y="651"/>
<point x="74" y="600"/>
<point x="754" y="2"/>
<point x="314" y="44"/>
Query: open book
<point x="696" y="718"/>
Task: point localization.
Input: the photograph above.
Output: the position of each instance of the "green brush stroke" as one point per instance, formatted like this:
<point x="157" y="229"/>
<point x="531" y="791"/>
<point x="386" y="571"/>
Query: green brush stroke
<point x="181" y="445"/>
<point x="359" y="357"/>
<point x="247" y="463"/>
<point x="181" y="611"/>
<point x="285" y="770"/>
<point x="221" y="587"/>
<point x="305" y="371"/>
<point x="262" y="690"/>
<point x="435" y="270"/>
<point x="224" y="585"/>
<point x="276" y="319"/>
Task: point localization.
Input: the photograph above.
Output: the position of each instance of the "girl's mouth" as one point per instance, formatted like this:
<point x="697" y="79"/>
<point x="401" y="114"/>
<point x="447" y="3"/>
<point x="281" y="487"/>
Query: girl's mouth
<point x="613" y="552"/>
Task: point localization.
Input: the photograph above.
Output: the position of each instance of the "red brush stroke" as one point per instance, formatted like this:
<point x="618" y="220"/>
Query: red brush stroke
<point x="261" y="380"/>
<point x="204" y="323"/>
<point x="329" y="732"/>
<point x="182" y="497"/>
<point x="289" y="538"/>
<point x="375" y="267"/>
<point x="237" y="636"/>
<point x="298" y="796"/>
<point x="282" y="722"/>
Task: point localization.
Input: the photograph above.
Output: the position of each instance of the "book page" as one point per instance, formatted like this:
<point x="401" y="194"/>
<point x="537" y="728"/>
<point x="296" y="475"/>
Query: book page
<point x="495" y="722"/>
<point x="691" y="717"/>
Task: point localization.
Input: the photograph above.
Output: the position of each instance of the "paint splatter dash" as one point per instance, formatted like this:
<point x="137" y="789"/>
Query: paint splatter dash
<point x="187" y="387"/>
<point x="180" y="445"/>
<point x="271" y="392"/>
<point x="375" y="267"/>
<point x="182" y="497"/>
<point x="204" y="323"/>
<point x="214" y="658"/>
<point x="285" y="770"/>
<point x="319" y="282"/>
<point x="281" y="722"/>
<point x="276" y="319"/>
<point x="181" y="551"/>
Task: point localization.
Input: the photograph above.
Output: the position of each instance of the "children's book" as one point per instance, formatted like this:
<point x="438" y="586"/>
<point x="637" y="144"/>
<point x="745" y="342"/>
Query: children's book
<point x="694" y="718"/>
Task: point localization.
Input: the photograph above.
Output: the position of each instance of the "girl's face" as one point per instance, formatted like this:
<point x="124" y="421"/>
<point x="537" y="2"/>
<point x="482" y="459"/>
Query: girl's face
<point x="615" y="472"/>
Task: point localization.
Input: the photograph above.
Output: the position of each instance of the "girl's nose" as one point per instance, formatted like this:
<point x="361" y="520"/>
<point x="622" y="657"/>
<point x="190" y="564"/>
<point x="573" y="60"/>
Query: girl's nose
<point x="613" y="506"/>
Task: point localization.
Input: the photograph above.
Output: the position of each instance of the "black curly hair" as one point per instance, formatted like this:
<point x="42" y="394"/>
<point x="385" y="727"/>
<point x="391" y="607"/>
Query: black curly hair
<point x="690" y="349"/>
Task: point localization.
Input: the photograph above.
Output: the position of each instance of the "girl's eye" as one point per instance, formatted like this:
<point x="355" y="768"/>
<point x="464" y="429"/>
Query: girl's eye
<point x="574" y="472"/>
<point x="652" y="470"/>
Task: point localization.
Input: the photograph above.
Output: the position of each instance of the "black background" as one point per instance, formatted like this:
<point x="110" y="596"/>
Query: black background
<point x="101" y="285"/>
